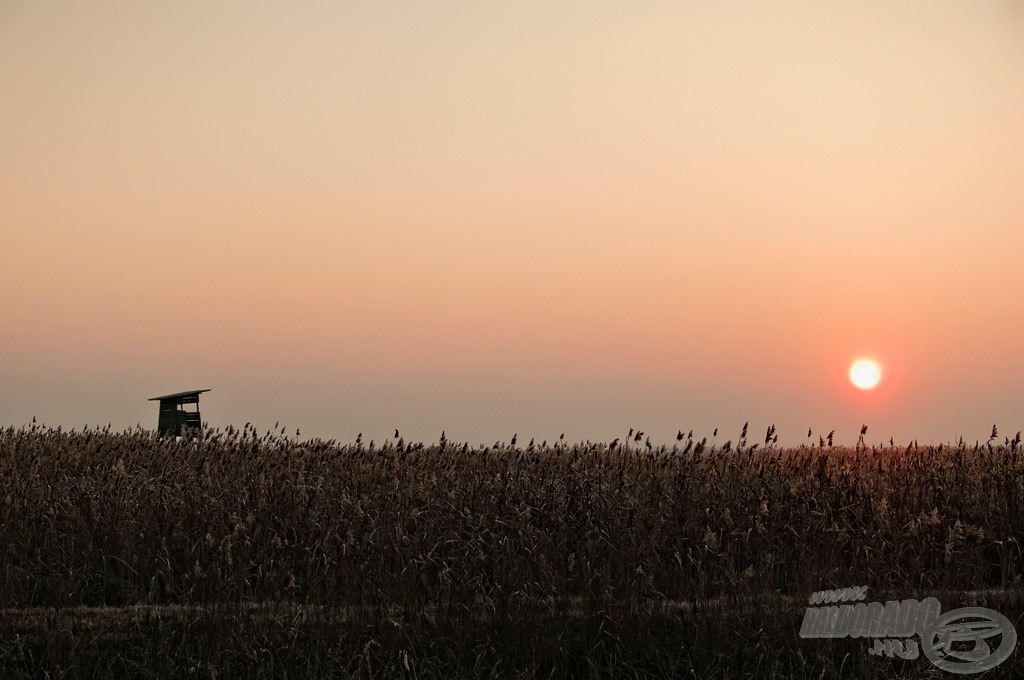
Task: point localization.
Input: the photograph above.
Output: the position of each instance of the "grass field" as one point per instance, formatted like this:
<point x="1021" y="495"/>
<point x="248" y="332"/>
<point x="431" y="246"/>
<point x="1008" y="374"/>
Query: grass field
<point x="242" y="554"/>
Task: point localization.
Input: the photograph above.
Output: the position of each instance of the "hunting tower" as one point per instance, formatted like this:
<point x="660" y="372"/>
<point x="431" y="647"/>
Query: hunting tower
<point x="174" y="418"/>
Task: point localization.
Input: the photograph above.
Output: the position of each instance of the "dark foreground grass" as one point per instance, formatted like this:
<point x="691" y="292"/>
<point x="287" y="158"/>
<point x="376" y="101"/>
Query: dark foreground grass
<point x="239" y="555"/>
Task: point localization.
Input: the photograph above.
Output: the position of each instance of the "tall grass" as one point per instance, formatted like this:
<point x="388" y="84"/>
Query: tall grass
<point x="587" y="559"/>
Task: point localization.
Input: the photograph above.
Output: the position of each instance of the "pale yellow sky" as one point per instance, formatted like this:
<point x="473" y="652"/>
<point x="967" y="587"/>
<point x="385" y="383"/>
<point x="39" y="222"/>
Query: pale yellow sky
<point x="528" y="217"/>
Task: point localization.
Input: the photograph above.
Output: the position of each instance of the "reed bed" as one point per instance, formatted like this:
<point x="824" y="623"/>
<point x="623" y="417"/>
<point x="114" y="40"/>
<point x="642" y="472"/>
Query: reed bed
<point x="244" y="554"/>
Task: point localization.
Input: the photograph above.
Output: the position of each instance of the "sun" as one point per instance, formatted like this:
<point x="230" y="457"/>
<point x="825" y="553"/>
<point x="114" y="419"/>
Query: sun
<point x="865" y="373"/>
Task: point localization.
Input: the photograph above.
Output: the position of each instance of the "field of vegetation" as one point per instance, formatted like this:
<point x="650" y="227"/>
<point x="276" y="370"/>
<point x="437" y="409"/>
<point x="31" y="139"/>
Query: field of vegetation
<point x="241" y="554"/>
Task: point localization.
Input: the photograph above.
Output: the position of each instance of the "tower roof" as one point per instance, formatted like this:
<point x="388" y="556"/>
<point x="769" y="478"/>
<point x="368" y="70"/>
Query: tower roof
<point x="179" y="395"/>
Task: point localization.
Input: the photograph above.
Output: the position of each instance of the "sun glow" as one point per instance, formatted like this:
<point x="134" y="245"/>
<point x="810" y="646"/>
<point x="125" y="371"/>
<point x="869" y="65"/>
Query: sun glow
<point x="865" y="373"/>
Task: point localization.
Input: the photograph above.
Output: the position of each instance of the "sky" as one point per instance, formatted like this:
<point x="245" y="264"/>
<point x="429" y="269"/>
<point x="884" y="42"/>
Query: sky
<point x="533" y="217"/>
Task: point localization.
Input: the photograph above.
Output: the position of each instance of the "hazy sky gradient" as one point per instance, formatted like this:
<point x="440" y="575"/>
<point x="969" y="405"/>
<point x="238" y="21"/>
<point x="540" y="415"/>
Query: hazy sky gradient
<point x="533" y="217"/>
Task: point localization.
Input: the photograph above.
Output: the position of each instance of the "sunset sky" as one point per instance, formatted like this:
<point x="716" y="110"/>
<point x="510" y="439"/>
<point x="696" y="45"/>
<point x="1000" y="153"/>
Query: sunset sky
<point x="499" y="217"/>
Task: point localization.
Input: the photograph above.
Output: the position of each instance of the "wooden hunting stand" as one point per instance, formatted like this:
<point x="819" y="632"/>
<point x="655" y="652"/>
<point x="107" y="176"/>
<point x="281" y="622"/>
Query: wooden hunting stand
<point x="174" y="419"/>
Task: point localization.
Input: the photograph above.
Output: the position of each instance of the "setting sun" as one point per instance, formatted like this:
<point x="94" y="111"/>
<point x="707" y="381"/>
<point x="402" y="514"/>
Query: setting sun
<point x="865" y="373"/>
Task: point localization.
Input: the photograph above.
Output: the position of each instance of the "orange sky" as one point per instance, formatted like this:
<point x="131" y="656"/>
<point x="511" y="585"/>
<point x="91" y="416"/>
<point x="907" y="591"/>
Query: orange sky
<point x="535" y="217"/>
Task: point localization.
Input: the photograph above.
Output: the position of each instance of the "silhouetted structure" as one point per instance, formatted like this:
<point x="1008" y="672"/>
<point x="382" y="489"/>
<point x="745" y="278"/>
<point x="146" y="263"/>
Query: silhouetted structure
<point x="173" y="416"/>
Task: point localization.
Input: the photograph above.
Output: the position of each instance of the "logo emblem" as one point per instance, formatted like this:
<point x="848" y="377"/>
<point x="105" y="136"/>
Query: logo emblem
<point x="959" y="640"/>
